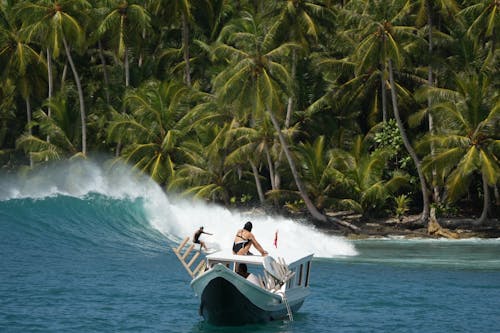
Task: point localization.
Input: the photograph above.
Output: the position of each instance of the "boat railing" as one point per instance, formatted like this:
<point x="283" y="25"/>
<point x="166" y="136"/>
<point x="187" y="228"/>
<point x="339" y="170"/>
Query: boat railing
<point x="277" y="273"/>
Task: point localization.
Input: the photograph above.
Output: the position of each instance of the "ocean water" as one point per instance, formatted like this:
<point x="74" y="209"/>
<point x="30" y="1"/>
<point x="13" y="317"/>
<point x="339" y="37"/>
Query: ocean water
<point x="84" y="248"/>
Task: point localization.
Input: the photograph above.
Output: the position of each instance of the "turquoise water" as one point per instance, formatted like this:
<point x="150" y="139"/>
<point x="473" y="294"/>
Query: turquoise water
<point x="95" y="256"/>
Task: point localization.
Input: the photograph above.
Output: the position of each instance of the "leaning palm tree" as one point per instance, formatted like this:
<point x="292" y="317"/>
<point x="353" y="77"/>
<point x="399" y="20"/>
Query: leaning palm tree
<point x="254" y="79"/>
<point x="59" y="24"/>
<point x="382" y="45"/>
<point x="466" y="135"/>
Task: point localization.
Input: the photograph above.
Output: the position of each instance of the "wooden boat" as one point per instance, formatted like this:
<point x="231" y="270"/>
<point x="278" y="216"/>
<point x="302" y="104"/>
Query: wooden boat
<point x="275" y="289"/>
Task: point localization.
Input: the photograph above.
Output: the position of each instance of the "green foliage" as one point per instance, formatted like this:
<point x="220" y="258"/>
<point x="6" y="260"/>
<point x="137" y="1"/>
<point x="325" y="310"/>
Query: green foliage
<point x="152" y="133"/>
<point x="402" y="205"/>
<point x="389" y="137"/>
<point x="320" y="68"/>
<point x="365" y="187"/>
<point x="295" y="206"/>
<point x="446" y="209"/>
<point x="466" y="133"/>
<point x="244" y="199"/>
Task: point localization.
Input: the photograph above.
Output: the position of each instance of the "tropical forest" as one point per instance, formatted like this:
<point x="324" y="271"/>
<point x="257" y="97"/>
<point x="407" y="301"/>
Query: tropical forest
<point x="379" y="108"/>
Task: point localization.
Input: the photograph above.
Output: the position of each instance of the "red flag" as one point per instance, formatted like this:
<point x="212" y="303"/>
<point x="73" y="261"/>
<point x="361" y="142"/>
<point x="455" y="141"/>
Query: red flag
<point x="276" y="239"/>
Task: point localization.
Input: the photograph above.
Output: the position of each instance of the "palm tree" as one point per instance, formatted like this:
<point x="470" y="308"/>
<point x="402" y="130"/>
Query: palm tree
<point x="7" y="118"/>
<point x="151" y="134"/>
<point x="254" y="71"/>
<point x="61" y="127"/>
<point x="466" y="134"/>
<point x="124" y="22"/>
<point x="56" y="24"/>
<point x="319" y="175"/>
<point x="428" y="11"/>
<point x="254" y="145"/>
<point x="181" y="8"/>
<point x="205" y="173"/>
<point x="298" y="23"/>
<point x="249" y="72"/>
<point x="382" y="45"/>
<point x="20" y="62"/>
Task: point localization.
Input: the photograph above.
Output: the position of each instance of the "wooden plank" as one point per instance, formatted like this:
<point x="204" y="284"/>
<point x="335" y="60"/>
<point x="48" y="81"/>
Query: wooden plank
<point x="182" y="244"/>
<point x="199" y="267"/>
<point x="193" y="259"/>
<point x="190" y="248"/>
<point x="184" y="264"/>
<point x="183" y="258"/>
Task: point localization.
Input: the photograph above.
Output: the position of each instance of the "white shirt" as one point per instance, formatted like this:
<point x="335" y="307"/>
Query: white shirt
<point x="252" y="278"/>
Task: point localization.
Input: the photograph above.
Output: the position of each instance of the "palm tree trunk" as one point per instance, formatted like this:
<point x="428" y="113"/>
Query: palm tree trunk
<point x="185" y="45"/>
<point x="409" y="148"/>
<point x="257" y="182"/>
<point x="141" y="55"/>
<point x="430" y="82"/>
<point x="80" y="96"/>
<point x="497" y="195"/>
<point x="63" y="76"/>
<point x="272" y="176"/>
<point x="28" y="118"/>
<point x="486" y="202"/>
<point x="270" y="166"/>
<point x="127" y="70"/>
<point x="50" y="78"/>
<point x="310" y="206"/>
<point x="298" y="182"/>
<point x="127" y="83"/>
<point x="289" y="109"/>
<point x="383" y="91"/>
<point x="104" y="71"/>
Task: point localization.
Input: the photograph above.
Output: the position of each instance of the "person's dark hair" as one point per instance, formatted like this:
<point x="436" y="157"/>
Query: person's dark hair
<point x="242" y="268"/>
<point x="201" y="228"/>
<point x="248" y="226"/>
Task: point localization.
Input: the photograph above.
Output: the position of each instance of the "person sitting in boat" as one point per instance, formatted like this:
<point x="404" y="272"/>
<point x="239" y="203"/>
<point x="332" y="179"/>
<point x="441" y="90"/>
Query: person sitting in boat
<point x="243" y="271"/>
<point x="196" y="238"/>
<point x="244" y="239"/>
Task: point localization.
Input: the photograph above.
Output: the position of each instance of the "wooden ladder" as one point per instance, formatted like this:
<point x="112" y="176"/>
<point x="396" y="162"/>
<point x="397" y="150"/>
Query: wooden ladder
<point x="183" y="257"/>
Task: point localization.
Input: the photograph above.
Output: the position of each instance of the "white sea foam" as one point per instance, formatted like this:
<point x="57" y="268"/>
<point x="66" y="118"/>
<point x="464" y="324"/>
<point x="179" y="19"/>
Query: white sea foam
<point x="176" y="219"/>
<point x="182" y="218"/>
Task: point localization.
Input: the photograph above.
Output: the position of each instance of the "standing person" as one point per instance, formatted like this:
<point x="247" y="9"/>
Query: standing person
<point x="196" y="238"/>
<point x="244" y="239"/>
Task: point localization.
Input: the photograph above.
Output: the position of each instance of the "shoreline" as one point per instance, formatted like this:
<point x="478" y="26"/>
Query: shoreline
<point x="411" y="227"/>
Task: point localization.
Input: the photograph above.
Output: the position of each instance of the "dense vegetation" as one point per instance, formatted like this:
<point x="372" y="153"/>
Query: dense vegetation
<point x="372" y="106"/>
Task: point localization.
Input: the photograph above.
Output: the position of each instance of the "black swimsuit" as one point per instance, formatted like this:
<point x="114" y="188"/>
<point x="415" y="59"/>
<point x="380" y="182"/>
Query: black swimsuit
<point x="239" y="245"/>
<point x="197" y="237"/>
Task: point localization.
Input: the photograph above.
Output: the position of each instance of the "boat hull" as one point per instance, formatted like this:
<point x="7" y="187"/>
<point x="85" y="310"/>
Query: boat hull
<point x="227" y="299"/>
<point x="223" y="304"/>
